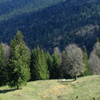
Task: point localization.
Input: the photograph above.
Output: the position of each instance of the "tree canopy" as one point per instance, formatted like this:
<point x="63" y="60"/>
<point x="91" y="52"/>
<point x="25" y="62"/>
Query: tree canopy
<point x="19" y="71"/>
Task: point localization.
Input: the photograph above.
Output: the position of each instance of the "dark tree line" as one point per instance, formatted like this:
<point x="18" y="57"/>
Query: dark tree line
<point x="18" y="64"/>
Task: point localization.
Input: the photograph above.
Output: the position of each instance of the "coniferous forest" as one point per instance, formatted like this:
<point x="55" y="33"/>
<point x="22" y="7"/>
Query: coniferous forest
<point x="60" y="40"/>
<point x="51" y="23"/>
<point x="49" y="49"/>
<point x="19" y="64"/>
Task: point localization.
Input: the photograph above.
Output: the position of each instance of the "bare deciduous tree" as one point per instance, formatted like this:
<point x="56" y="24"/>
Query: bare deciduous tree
<point x="73" y="60"/>
<point x="94" y="62"/>
<point x="94" y="59"/>
<point x="96" y="49"/>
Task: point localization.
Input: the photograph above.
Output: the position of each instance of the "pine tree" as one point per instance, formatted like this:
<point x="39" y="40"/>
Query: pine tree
<point x="55" y="70"/>
<point x="3" y="69"/>
<point x="49" y="62"/>
<point x="87" y="66"/>
<point x="35" y="64"/>
<point x="39" y="68"/>
<point x="63" y="66"/>
<point x="18" y="38"/>
<point x="44" y="67"/>
<point x="97" y="39"/>
<point x="19" y="71"/>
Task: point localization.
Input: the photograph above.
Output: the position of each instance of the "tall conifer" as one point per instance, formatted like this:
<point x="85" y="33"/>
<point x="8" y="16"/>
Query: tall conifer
<point x="3" y="69"/>
<point x="39" y="68"/>
<point x="19" y="71"/>
<point x="87" y="66"/>
<point x="55" y="70"/>
<point x="49" y="62"/>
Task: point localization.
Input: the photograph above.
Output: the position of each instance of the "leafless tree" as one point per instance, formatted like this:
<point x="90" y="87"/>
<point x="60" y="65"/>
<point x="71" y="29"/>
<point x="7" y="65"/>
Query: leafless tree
<point x="94" y="62"/>
<point x="72" y="60"/>
<point x="94" y="59"/>
<point x="96" y="49"/>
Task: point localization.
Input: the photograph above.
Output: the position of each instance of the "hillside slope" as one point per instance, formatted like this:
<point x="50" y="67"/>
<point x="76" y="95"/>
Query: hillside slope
<point x="69" y="21"/>
<point x="85" y="88"/>
<point x="12" y="8"/>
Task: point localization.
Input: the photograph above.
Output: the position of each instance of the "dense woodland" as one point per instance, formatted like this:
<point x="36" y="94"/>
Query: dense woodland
<point x="18" y="64"/>
<point x="12" y="8"/>
<point x="54" y="25"/>
<point x="59" y="40"/>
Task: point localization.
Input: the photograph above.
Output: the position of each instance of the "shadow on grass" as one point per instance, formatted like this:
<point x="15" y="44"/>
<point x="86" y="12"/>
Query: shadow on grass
<point x="8" y="90"/>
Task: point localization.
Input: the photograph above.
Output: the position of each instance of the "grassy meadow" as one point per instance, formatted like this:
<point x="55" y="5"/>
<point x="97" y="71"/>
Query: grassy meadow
<point x="84" y="88"/>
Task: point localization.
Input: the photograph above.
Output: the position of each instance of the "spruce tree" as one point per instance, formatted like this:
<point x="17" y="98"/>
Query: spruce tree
<point x="19" y="71"/>
<point x="39" y="68"/>
<point x="3" y="69"/>
<point x="55" y="70"/>
<point x="63" y="65"/>
<point x="87" y="66"/>
<point x="97" y="39"/>
<point x="44" y="67"/>
<point x="35" y="64"/>
<point x="49" y="62"/>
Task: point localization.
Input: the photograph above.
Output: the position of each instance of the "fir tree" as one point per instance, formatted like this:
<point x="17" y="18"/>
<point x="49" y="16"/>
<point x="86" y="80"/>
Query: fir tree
<point x="19" y="71"/>
<point x="55" y="70"/>
<point x="97" y="39"/>
<point x="39" y="68"/>
<point x="44" y="67"/>
<point x="63" y="65"/>
<point x="18" y="38"/>
<point x="49" y="62"/>
<point x="87" y="66"/>
<point x="35" y="64"/>
<point x="3" y="69"/>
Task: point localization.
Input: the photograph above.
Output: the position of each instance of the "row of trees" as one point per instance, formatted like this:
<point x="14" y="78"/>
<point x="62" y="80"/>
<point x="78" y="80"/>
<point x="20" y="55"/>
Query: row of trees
<point x="18" y="65"/>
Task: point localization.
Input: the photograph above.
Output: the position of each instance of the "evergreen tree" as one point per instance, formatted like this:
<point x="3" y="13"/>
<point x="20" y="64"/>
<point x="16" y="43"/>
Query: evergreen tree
<point x="55" y="73"/>
<point x="3" y="69"/>
<point x="44" y="67"/>
<point x="39" y="68"/>
<point x="63" y="66"/>
<point x="87" y="66"/>
<point x="97" y="39"/>
<point x="19" y="71"/>
<point x="18" y="38"/>
<point x="49" y="62"/>
<point x="33" y="63"/>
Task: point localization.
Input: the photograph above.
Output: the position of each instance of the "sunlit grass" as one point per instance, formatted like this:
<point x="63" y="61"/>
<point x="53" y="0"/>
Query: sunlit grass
<point x="85" y="88"/>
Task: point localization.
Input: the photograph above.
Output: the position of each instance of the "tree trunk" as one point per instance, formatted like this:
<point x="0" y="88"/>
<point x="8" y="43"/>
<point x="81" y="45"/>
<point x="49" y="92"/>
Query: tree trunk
<point x="17" y="87"/>
<point x="75" y="77"/>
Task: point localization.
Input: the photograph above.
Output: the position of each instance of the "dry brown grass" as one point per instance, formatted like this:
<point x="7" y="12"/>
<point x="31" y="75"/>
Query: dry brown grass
<point x="56" y="91"/>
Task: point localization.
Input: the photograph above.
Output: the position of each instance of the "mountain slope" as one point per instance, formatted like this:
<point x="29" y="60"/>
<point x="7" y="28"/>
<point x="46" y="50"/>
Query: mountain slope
<point x="81" y="89"/>
<point x="12" y="8"/>
<point x="70" y="21"/>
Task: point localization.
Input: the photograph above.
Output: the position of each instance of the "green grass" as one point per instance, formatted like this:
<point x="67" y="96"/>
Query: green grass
<point x="85" y="88"/>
